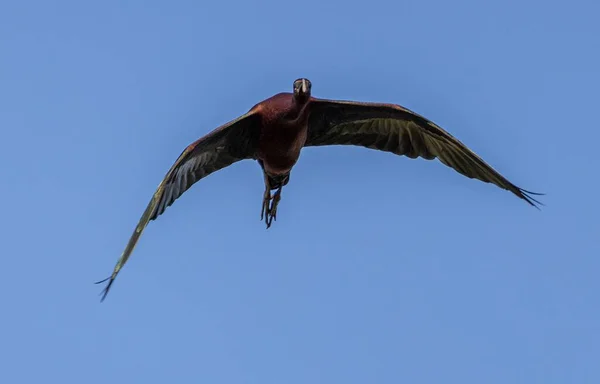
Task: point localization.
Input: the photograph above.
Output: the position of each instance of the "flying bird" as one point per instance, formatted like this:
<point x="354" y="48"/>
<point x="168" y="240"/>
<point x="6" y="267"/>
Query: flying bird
<point x="274" y="131"/>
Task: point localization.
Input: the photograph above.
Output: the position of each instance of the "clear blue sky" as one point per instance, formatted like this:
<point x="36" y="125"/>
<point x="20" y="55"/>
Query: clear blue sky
<point x="380" y="269"/>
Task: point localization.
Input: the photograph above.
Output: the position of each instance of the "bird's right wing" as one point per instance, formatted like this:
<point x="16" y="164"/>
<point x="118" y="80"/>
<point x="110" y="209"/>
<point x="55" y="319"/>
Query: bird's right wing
<point x="393" y="128"/>
<point x="227" y="144"/>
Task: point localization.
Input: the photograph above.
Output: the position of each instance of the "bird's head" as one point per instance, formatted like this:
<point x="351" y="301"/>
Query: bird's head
<point x="302" y="89"/>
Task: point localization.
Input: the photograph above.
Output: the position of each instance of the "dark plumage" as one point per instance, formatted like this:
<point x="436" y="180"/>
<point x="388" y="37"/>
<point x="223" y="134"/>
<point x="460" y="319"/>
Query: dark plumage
<point x="274" y="131"/>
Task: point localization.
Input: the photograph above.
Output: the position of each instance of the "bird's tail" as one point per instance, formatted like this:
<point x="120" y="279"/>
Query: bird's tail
<point x="278" y="181"/>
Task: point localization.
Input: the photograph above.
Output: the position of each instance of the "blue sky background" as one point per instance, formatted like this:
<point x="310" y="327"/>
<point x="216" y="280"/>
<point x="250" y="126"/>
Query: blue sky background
<point x="380" y="269"/>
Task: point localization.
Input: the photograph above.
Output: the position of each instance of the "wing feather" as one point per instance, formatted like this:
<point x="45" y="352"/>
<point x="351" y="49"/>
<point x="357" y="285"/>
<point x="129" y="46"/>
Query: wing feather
<point x="393" y="128"/>
<point x="229" y="143"/>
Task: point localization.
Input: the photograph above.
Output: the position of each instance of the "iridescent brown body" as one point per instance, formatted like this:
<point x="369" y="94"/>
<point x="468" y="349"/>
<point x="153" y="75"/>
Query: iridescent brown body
<point x="283" y="131"/>
<point x="274" y="131"/>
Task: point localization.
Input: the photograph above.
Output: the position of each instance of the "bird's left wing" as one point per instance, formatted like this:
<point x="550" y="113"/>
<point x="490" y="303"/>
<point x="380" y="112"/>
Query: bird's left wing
<point x="393" y="128"/>
<point x="227" y="144"/>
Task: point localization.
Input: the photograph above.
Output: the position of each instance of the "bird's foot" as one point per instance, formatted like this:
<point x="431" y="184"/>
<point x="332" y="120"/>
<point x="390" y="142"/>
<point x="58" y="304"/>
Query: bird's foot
<point x="274" y="203"/>
<point x="265" y="206"/>
<point x="269" y="208"/>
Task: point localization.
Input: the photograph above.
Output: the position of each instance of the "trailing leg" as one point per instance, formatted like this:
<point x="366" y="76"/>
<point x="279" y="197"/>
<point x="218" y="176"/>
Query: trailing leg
<point x="265" y="210"/>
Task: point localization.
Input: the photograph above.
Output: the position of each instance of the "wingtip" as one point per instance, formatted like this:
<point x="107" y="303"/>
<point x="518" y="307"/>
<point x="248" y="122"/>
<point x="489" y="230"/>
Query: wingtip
<point x="527" y="196"/>
<point x="107" y="288"/>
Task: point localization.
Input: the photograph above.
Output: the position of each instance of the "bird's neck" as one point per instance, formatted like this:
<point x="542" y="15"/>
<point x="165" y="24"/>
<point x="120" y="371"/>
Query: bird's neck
<point x="299" y="111"/>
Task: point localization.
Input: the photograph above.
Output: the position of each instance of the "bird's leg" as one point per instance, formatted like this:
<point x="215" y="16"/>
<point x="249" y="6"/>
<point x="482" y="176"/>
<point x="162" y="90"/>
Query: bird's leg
<point x="269" y="206"/>
<point x="265" y="210"/>
<point x="273" y="209"/>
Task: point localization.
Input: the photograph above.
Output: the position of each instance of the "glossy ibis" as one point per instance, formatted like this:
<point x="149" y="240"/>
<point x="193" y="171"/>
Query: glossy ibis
<point x="274" y="131"/>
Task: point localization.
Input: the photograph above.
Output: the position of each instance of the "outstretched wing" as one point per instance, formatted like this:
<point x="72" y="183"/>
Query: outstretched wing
<point x="229" y="143"/>
<point x="393" y="128"/>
